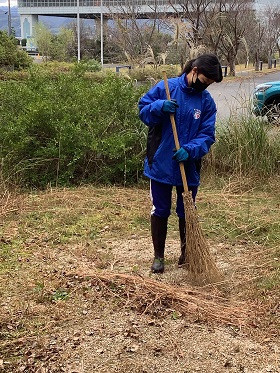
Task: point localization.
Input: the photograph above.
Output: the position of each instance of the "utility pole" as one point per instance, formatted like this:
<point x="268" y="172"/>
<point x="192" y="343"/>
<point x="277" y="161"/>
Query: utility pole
<point x="78" y="30"/>
<point x="9" y="19"/>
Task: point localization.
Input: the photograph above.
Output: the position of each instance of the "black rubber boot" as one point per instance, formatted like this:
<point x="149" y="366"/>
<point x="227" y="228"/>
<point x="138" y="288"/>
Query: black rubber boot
<point x="159" y="231"/>
<point x="182" y="230"/>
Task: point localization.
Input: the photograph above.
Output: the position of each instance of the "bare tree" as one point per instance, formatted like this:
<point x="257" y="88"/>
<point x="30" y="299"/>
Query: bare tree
<point x="271" y="21"/>
<point x="255" y="39"/>
<point x="228" y="27"/>
<point x="89" y="44"/>
<point x="183" y="46"/>
<point x="218" y="26"/>
<point x="195" y="12"/>
<point x="132" y="34"/>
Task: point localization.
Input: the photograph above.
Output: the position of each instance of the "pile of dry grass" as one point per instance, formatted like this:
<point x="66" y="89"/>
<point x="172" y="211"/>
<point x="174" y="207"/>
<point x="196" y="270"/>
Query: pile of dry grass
<point x="148" y="294"/>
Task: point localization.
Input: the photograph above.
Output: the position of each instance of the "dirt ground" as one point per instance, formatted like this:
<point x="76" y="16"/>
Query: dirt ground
<point x="55" y="318"/>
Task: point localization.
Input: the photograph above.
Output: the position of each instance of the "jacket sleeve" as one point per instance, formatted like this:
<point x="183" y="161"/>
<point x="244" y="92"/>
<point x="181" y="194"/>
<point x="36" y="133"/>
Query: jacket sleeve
<point x="200" y="145"/>
<point x="150" y="106"/>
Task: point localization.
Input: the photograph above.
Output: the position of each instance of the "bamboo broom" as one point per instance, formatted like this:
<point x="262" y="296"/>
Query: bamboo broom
<point x="199" y="260"/>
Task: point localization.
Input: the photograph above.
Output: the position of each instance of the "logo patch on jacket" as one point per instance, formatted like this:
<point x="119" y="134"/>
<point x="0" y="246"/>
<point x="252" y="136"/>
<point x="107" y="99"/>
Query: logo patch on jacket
<point x="197" y="113"/>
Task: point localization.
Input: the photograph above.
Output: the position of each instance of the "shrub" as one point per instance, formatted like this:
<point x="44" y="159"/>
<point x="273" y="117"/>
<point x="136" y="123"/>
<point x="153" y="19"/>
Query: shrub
<point x="80" y="68"/>
<point x="51" y="69"/>
<point x="10" y="55"/>
<point x="23" y="60"/>
<point x="68" y="130"/>
<point x="13" y="75"/>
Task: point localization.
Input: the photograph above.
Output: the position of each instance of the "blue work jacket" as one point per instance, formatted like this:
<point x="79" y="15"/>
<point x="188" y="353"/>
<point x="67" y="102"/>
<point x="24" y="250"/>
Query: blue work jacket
<point x="195" y="121"/>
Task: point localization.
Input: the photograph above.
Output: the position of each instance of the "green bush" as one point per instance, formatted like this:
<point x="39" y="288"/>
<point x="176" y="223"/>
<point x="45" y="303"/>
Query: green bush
<point x="247" y="147"/>
<point x="22" y="61"/>
<point x="68" y="130"/>
<point x="13" y="75"/>
<point x="80" y="68"/>
<point x="10" y="56"/>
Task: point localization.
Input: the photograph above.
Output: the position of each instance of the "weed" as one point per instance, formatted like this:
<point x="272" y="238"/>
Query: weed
<point x="175" y="315"/>
<point x="141" y="221"/>
<point x="60" y="294"/>
<point x="270" y="282"/>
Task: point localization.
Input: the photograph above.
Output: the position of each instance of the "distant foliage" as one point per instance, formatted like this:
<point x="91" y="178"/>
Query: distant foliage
<point x="153" y="74"/>
<point x="10" y="56"/>
<point x="54" y="47"/>
<point x="67" y="130"/>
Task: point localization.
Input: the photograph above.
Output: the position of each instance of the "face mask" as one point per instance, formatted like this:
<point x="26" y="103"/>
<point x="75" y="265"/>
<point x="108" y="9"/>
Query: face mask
<point x="198" y="85"/>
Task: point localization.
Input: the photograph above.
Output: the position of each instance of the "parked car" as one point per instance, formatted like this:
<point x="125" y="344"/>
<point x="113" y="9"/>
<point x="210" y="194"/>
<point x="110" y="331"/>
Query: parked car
<point x="266" y="101"/>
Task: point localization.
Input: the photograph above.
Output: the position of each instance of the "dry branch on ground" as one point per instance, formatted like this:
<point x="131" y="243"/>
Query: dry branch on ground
<point x="148" y="293"/>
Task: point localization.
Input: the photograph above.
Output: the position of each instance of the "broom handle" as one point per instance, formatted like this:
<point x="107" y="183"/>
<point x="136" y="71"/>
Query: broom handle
<point x="174" y="129"/>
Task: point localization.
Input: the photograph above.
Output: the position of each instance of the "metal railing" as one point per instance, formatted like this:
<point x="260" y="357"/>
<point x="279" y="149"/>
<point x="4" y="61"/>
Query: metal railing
<point x="88" y="3"/>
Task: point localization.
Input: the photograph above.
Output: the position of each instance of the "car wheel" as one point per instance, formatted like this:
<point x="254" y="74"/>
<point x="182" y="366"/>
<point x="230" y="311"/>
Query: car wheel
<point x="273" y="112"/>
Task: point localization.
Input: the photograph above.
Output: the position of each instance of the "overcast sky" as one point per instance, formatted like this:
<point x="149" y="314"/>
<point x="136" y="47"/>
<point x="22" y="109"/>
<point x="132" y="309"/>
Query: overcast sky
<point x="5" y="3"/>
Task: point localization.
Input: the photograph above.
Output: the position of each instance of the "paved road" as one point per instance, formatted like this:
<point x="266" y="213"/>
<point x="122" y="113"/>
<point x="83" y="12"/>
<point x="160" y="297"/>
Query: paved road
<point x="233" y="97"/>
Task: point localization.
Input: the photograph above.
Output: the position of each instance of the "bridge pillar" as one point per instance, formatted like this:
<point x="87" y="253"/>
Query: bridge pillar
<point x="27" y="22"/>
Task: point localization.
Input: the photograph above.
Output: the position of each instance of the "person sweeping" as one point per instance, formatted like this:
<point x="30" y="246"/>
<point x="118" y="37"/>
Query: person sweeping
<point x="194" y="111"/>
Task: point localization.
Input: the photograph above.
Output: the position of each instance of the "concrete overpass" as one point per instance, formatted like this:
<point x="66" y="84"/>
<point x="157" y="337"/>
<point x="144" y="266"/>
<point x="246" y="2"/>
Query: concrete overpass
<point x="29" y="10"/>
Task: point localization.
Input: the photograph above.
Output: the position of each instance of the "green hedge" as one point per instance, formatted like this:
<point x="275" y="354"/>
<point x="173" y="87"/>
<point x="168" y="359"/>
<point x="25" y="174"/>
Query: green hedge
<point x="70" y="129"/>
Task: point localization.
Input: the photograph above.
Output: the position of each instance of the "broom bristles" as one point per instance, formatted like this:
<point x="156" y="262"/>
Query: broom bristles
<point x="199" y="260"/>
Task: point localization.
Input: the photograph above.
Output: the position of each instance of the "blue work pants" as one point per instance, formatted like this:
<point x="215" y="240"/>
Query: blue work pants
<point x="161" y="196"/>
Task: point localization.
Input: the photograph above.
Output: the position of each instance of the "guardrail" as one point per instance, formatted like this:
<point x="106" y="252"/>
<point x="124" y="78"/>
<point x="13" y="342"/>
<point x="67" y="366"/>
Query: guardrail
<point x="121" y="67"/>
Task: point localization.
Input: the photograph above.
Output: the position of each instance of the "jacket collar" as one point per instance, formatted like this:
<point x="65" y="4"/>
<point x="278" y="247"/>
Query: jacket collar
<point x="184" y="84"/>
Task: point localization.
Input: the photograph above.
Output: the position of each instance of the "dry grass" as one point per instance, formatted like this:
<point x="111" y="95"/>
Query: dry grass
<point x="104" y="232"/>
<point x="146" y="293"/>
<point x="9" y="203"/>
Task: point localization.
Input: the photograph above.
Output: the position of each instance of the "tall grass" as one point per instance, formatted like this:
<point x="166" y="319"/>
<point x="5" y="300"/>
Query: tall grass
<point x="246" y="146"/>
